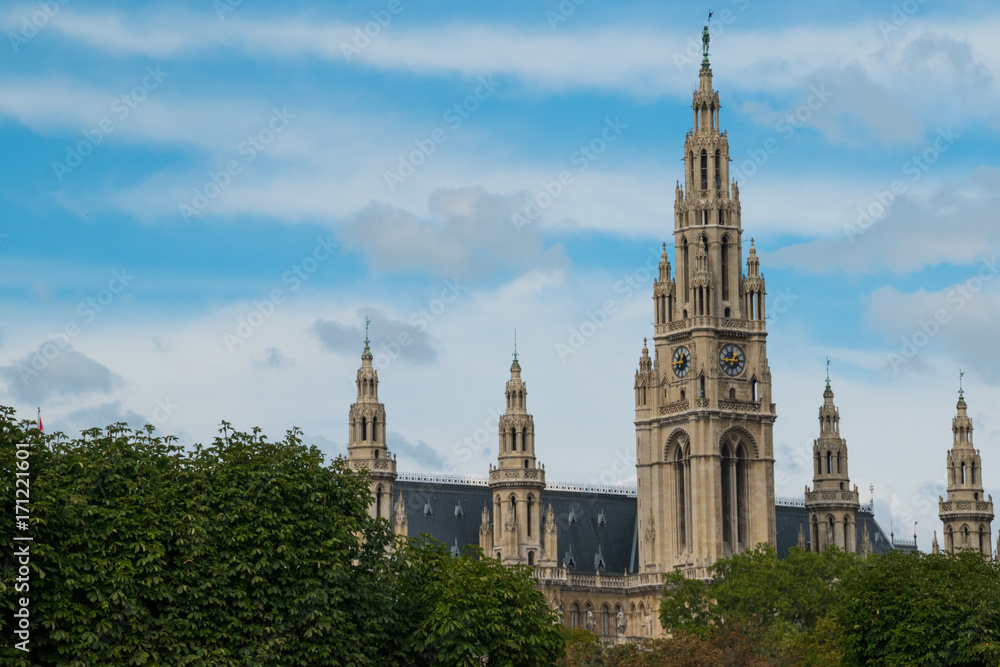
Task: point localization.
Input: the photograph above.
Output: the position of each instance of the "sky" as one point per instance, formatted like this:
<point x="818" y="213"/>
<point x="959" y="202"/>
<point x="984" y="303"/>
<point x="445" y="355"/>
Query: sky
<point x="204" y="201"/>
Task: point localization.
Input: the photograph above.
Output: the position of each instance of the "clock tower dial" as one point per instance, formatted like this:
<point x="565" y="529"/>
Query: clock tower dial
<point x="732" y="360"/>
<point x="681" y="362"/>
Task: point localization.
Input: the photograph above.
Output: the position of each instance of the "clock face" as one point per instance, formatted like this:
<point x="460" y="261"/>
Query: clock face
<point x="681" y="362"/>
<point x="732" y="360"/>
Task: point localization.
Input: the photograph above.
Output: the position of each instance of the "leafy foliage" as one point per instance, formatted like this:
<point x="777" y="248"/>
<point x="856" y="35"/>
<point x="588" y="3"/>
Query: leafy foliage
<point x="243" y="552"/>
<point x="923" y="609"/>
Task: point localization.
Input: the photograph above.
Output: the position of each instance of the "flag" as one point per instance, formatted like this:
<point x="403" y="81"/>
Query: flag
<point x="40" y="419"/>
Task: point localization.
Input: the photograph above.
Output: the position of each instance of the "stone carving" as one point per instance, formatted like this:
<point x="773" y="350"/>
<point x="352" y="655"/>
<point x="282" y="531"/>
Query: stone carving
<point x="620" y="623"/>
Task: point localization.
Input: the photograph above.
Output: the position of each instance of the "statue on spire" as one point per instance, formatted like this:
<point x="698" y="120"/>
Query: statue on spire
<point x="961" y="374"/>
<point x="705" y="37"/>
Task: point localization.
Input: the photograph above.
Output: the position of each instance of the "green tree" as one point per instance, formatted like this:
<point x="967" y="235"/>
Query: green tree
<point x="460" y="610"/>
<point x="923" y="609"/>
<point x="244" y="552"/>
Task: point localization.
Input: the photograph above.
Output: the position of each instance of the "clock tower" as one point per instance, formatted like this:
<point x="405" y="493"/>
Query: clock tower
<point x="704" y="460"/>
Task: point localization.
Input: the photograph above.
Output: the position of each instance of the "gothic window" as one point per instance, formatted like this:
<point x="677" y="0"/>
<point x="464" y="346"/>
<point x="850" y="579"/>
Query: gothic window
<point x="847" y="525"/>
<point x="725" y="267"/>
<point x="732" y="394"/>
<point x="718" y="178"/>
<point x="513" y="509"/>
<point x="524" y="439"/>
<point x="525" y="464"/>
<point x="531" y="503"/>
<point x="531" y="557"/>
<point x="376" y="453"/>
<point x="687" y="271"/>
<point x="704" y="170"/>
<point x="701" y="387"/>
<point x="644" y="396"/>
<point x="973" y="472"/>
<point x="378" y="501"/>
<point x="981" y="545"/>
<point x="829" y="463"/>
<point x="513" y="439"/>
<point x="375" y="429"/>
<point x="574" y="615"/>
<point x="691" y="169"/>
<point x="605" y="618"/>
<point x="364" y="429"/>
<point x="838" y="463"/>
<point x="683" y="395"/>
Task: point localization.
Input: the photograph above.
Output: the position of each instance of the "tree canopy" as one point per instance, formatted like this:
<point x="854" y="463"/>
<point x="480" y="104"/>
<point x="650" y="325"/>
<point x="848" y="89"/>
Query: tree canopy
<point x="241" y="552"/>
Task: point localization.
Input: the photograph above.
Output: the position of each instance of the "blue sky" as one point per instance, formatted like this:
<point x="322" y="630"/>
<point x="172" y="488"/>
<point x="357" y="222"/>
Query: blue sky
<point x="181" y="174"/>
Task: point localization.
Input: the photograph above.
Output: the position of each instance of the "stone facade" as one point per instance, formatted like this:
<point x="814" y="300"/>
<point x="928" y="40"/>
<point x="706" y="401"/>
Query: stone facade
<point x="967" y="516"/>
<point x="832" y="503"/>
<point x="704" y="451"/>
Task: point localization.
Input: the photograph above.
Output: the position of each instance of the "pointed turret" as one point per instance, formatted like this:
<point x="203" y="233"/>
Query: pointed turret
<point x="517" y="481"/>
<point x="967" y="515"/>
<point x="366" y="444"/>
<point x="832" y="503"/>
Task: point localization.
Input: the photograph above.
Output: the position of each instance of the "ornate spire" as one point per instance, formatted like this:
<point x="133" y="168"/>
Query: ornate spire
<point x="367" y="354"/>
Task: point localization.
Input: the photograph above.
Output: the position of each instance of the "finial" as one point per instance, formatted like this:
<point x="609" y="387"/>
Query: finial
<point x="828" y="371"/>
<point x="961" y="393"/>
<point x="705" y="37"/>
<point x="515" y="344"/>
<point x="367" y="322"/>
<point x="751" y="242"/>
<point x="367" y="354"/>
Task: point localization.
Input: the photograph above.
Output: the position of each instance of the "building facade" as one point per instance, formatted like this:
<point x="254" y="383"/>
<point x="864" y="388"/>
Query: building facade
<point x="704" y="446"/>
<point x="967" y="516"/>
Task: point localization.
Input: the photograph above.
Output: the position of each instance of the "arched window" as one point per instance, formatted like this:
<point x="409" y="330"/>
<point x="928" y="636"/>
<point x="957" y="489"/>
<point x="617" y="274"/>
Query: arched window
<point x="531" y="555"/>
<point x="644" y="395"/>
<point x="513" y="509"/>
<point x="982" y="545"/>
<point x="524" y="439"/>
<point x="683" y="395"/>
<point x="725" y="268"/>
<point x="605" y="621"/>
<point x="531" y="503"/>
<point x="732" y="394"/>
<point x="378" y="501"/>
<point x="364" y="429"/>
<point x="574" y="615"/>
<point x="513" y="439"/>
<point x="701" y="386"/>
<point x="687" y="271"/>
<point x="525" y="464"/>
<point x="847" y="532"/>
<point x="704" y="169"/>
<point x="829" y="463"/>
<point x="718" y="175"/>
<point x="376" y="453"/>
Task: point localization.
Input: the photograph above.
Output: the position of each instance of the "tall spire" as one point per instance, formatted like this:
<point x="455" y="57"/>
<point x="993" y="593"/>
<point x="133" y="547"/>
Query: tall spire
<point x="367" y="353"/>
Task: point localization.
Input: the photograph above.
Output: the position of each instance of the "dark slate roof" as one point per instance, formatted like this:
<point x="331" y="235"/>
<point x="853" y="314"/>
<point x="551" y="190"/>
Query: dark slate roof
<point x="588" y="524"/>
<point x="788" y="518"/>
<point x="450" y="513"/>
